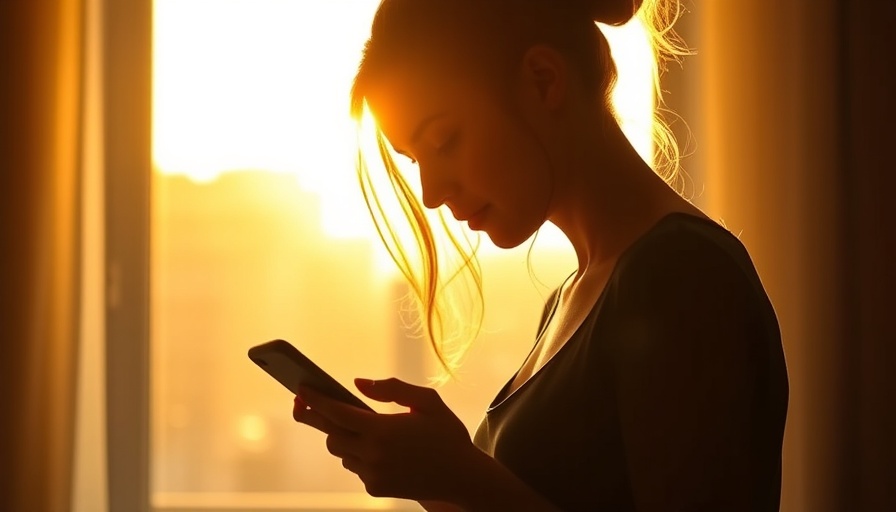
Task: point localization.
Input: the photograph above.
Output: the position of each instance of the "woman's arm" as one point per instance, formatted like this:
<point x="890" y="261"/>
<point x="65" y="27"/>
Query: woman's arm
<point x="487" y="486"/>
<point x="424" y="454"/>
<point x="689" y="365"/>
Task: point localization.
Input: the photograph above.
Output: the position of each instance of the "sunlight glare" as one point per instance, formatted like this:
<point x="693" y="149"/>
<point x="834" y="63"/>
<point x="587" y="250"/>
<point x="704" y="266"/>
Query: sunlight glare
<point x="633" y="95"/>
<point x="261" y="85"/>
<point x="264" y="85"/>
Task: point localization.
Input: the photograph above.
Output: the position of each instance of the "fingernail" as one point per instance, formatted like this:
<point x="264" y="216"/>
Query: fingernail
<point x="364" y="382"/>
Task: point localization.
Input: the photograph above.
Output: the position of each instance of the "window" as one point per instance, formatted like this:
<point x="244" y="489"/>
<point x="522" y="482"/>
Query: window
<point x="258" y="231"/>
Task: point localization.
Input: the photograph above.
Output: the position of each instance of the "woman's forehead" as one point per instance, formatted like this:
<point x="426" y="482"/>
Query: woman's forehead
<point x="401" y="101"/>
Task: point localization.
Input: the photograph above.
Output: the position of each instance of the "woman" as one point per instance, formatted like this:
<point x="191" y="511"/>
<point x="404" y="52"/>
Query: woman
<point x="657" y="380"/>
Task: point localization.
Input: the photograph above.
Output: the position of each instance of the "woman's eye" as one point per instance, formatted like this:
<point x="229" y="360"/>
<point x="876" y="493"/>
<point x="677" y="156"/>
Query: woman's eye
<point x="447" y="145"/>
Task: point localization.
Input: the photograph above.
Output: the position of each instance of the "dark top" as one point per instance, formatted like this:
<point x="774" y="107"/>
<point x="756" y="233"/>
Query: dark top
<point x="671" y="395"/>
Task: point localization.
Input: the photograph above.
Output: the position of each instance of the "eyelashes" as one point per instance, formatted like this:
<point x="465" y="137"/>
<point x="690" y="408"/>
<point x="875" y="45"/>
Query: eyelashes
<point x="443" y="149"/>
<point x="409" y="157"/>
<point x="448" y="145"/>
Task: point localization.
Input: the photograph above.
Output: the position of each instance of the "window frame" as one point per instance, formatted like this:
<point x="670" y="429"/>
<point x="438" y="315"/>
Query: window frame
<point x="127" y="121"/>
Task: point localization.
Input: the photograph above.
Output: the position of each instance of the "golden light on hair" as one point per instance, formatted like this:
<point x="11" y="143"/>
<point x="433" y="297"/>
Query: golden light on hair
<point x="421" y="262"/>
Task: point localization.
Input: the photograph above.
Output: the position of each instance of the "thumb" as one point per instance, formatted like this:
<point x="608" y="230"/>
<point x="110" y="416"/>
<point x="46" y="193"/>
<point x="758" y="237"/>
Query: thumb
<point x="416" y="398"/>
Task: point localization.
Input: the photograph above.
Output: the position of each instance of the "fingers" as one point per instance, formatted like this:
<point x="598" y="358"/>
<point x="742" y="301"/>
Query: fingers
<point x="336" y="413"/>
<point x="302" y="414"/>
<point x="340" y="442"/>
<point x="417" y="398"/>
<point x="352" y="464"/>
<point x="345" y="445"/>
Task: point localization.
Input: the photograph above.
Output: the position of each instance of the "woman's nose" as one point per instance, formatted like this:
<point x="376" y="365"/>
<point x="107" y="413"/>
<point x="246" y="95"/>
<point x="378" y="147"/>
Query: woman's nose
<point x="437" y="185"/>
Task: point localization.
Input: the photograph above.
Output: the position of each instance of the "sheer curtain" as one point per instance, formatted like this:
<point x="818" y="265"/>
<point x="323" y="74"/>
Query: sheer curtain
<point x="797" y="116"/>
<point x="40" y="43"/>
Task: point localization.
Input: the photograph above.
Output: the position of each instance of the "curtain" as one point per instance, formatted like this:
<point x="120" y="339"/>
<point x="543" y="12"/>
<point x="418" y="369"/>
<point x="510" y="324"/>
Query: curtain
<point x="40" y="41"/>
<point x="797" y="126"/>
<point x="869" y="266"/>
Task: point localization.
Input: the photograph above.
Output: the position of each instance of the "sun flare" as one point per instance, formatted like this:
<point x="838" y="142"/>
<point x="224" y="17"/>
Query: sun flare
<point x="264" y="85"/>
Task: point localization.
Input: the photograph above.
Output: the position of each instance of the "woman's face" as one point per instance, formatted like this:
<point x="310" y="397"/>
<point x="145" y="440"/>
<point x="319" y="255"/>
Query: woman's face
<point x="474" y="156"/>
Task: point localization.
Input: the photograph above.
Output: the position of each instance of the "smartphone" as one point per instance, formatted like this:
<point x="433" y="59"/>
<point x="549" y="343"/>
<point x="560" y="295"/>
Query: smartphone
<point x="289" y="367"/>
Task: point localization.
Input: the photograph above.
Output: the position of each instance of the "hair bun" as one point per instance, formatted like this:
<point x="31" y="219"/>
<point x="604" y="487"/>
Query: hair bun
<point x="611" y="12"/>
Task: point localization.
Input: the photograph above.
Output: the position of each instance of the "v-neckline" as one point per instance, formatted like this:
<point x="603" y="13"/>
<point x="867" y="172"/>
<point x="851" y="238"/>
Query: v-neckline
<point x="503" y="395"/>
<point x="506" y="393"/>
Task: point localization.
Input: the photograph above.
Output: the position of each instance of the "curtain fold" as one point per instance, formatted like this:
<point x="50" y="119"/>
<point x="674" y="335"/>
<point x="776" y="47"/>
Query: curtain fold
<point x="39" y="198"/>
<point x="772" y="155"/>
<point x="869" y="266"/>
<point x="797" y="114"/>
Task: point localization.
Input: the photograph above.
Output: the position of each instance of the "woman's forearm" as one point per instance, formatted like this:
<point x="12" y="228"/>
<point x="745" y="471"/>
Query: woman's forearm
<point x="439" y="506"/>
<point x="488" y="486"/>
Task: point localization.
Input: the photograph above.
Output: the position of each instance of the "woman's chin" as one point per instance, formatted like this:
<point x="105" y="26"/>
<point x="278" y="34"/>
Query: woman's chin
<point x="504" y="240"/>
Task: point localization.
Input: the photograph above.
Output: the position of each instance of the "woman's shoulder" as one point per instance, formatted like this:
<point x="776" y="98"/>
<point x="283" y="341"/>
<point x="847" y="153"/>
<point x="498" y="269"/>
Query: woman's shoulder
<point x="689" y="282"/>
<point x="684" y="259"/>
<point x="685" y="245"/>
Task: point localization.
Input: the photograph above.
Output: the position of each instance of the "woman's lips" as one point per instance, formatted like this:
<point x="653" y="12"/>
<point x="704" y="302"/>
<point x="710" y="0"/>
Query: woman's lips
<point x="475" y="221"/>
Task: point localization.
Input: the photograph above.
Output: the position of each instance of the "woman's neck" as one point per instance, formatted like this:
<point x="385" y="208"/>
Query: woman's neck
<point x="608" y="197"/>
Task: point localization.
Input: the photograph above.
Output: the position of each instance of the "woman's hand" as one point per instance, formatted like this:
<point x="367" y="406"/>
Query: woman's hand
<point x="419" y="454"/>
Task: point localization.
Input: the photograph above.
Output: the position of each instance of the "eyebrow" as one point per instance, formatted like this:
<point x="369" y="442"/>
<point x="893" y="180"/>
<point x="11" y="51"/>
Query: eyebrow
<point x="423" y="124"/>
<point x="421" y="128"/>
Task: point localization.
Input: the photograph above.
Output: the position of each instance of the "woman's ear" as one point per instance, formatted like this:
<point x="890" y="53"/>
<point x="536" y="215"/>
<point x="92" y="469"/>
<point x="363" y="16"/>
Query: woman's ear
<point x="545" y="76"/>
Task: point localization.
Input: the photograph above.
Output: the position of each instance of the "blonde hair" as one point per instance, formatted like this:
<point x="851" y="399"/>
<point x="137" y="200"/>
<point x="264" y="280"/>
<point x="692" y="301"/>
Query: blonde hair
<point x="399" y="22"/>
